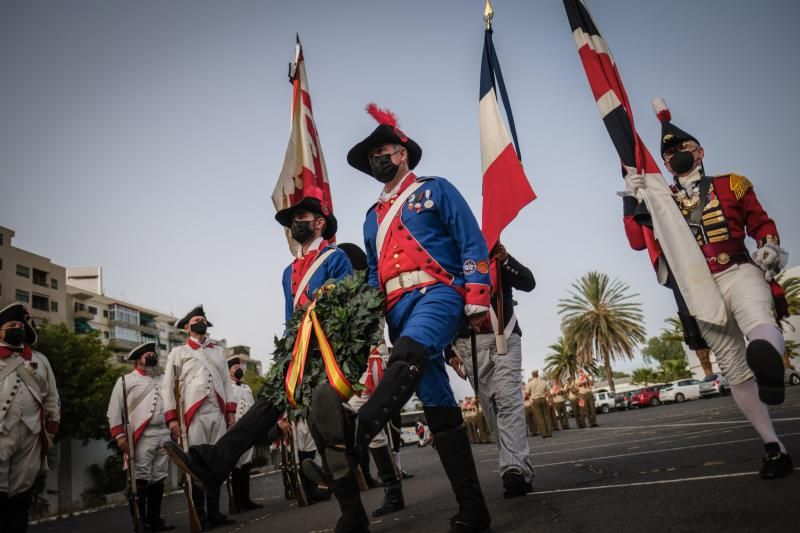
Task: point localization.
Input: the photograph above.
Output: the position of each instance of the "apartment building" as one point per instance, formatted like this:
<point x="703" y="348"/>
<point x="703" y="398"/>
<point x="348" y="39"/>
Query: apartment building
<point x="33" y="280"/>
<point x="243" y="353"/>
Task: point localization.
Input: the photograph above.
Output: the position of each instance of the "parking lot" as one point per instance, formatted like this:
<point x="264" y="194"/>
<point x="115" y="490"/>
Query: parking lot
<point x="678" y="467"/>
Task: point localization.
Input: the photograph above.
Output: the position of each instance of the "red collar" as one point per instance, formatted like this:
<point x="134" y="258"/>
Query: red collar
<point x="312" y="253"/>
<point x="194" y="345"/>
<point x="26" y="352"/>
<point x="140" y="371"/>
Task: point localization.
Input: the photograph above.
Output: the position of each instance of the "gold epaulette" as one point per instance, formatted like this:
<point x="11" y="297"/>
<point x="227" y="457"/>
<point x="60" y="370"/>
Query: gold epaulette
<point x="739" y="185"/>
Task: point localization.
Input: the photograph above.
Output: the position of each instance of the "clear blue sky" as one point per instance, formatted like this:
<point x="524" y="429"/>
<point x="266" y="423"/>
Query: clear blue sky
<point x="147" y="136"/>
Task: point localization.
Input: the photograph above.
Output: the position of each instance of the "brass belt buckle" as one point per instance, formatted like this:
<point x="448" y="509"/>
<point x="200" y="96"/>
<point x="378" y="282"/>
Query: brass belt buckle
<point x="723" y="258"/>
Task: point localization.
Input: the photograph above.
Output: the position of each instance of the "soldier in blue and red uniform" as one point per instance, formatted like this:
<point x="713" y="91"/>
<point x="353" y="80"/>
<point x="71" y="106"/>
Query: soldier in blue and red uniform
<point x="426" y="252"/>
<point x="722" y="211"/>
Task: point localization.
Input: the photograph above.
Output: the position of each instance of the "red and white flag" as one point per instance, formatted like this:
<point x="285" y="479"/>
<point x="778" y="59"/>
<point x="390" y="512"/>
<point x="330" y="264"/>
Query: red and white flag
<point x="304" y="166"/>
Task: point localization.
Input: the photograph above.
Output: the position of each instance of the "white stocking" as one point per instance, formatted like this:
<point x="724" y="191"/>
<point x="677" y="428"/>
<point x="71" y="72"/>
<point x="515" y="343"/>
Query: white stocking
<point x="746" y="396"/>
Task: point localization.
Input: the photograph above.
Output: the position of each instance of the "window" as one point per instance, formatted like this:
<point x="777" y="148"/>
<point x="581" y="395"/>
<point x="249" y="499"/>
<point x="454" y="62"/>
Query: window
<point x="23" y="271"/>
<point x="40" y="302"/>
<point x="53" y="283"/>
<point x="1" y="261"/>
<point x="120" y="313"/>
<point x="105" y="313"/>
<point x="22" y="296"/>
<point x="93" y="310"/>
<point x="1" y="239"/>
<point x="79" y="306"/>
<point x="124" y="334"/>
<point x="54" y="307"/>
<point x="105" y="334"/>
<point x="39" y="277"/>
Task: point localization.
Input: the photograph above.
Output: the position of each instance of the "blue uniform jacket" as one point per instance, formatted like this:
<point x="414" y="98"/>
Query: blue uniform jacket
<point x="336" y="266"/>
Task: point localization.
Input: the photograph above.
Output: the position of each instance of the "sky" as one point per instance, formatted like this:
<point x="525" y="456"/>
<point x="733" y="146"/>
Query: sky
<point x="146" y="137"/>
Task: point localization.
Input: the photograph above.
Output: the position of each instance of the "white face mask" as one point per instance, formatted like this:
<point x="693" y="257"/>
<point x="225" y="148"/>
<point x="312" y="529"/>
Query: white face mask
<point x="688" y="181"/>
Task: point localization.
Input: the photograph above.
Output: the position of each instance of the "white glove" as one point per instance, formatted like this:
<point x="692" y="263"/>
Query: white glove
<point x="634" y="182"/>
<point x="770" y="258"/>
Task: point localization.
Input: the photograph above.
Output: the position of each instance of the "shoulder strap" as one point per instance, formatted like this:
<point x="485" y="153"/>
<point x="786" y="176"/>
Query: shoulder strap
<point x="30" y="381"/>
<point x="696" y="216"/>
<point x="301" y="288"/>
<point x="383" y="228"/>
<point x="139" y="399"/>
<point x="10" y="367"/>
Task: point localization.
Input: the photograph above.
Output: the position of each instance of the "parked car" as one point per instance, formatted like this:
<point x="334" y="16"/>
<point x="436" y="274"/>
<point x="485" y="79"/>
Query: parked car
<point x="791" y="377"/>
<point x="605" y="401"/>
<point x="623" y="399"/>
<point x="408" y="437"/>
<point x="713" y="385"/>
<point x="680" y="391"/>
<point x="646" y="397"/>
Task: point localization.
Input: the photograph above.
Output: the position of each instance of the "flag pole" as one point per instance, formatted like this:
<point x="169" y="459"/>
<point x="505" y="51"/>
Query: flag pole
<point x="488" y="13"/>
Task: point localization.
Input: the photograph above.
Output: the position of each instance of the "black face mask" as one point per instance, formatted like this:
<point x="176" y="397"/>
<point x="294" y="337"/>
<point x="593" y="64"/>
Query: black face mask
<point x="301" y="230"/>
<point x="151" y="360"/>
<point x="238" y="374"/>
<point x="382" y="168"/>
<point x="199" y="327"/>
<point x="682" y="162"/>
<point x="15" y="336"/>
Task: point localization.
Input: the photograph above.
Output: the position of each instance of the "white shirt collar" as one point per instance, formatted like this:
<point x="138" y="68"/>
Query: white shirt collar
<point x="313" y="246"/>
<point x="386" y="195"/>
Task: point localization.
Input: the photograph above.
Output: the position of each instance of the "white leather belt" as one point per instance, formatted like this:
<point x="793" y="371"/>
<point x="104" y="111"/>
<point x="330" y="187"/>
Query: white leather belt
<point x="407" y="280"/>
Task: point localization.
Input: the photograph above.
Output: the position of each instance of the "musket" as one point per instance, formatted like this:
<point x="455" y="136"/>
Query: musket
<point x="288" y="488"/>
<point x="302" y="499"/>
<point x="186" y="481"/>
<point x="133" y="494"/>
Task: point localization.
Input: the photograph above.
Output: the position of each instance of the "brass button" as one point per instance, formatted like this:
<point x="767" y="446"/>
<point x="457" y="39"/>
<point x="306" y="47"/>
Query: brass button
<point x="723" y="258"/>
<point x="397" y="266"/>
<point x="396" y="256"/>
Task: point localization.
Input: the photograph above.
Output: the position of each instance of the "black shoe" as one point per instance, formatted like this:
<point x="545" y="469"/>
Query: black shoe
<point x="775" y="463"/>
<point x="594" y="425"/>
<point x="405" y="475"/>
<point x="393" y="500"/>
<point x="514" y="484"/>
<point x="372" y="482"/>
<point x="457" y="526"/>
<point x="219" y="520"/>
<point x="184" y="461"/>
<point x="249" y="505"/>
<point x="767" y="366"/>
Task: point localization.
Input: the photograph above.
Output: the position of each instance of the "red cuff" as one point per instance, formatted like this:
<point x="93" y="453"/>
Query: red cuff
<point x="171" y="415"/>
<point x="52" y="427"/>
<point x="477" y="294"/>
<point x="230" y="407"/>
<point x="116" y="431"/>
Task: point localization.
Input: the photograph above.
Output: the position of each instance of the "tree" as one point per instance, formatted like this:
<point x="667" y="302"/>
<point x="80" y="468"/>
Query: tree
<point x="662" y="348"/>
<point x="644" y="376"/>
<point x="791" y="287"/>
<point x="673" y="369"/>
<point x="674" y="332"/>
<point x="617" y="375"/>
<point x="253" y="380"/>
<point x="84" y="378"/>
<point x="562" y="362"/>
<point x="602" y="318"/>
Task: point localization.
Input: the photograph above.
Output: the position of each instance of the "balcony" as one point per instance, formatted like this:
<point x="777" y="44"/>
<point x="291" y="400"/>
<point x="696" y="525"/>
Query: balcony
<point x="83" y="315"/>
<point x="149" y="329"/>
<point x="122" y="344"/>
<point x="179" y="336"/>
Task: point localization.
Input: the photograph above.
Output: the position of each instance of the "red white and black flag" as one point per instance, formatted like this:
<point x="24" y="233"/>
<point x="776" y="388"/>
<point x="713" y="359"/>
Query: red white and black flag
<point x="506" y="189"/>
<point x="670" y="234"/>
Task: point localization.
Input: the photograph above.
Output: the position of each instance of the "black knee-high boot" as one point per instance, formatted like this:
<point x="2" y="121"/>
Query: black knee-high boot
<point x="454" y="450"/>
<point x="215" y="517"/>
<point x="155" y="494"/>
<point x="199" y="499"/>
<point x="392" y="487"/>
<point x="141" y="499"/>
<point x="244" y="490"/>
<point x="235" y="497"/>
<point x="17" y="508"/>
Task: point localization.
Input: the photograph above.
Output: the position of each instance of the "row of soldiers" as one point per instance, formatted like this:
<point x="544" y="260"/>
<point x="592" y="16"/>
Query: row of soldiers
<point x="475" y="421"/>
<point x="546" y="404"/>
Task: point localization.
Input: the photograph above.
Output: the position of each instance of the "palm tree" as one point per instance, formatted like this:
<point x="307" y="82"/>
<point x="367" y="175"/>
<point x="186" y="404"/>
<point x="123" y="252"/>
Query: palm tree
<point x="562" y="362"/>
<point x="644" y="376"/>
<point x="602" y="320"/>
<point x="673" y="369"/>
<point x="791" y="286"/>
<point x="674" y="332"/>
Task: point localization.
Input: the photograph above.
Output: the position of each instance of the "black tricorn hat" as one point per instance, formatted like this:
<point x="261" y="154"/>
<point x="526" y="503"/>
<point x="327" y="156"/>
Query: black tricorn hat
<point x="140" y="350"/>
<point x="387" y="132"/>
<point x="356" y="255"/>
<point x="17" y="312"/>
<point x="313" y="202"/>
<point x="234" y="361"/>
<point x="671" y="135"/>
<point x="197" y="311"/>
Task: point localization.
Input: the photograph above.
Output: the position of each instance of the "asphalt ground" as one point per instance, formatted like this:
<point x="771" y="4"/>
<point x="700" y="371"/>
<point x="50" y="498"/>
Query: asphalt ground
<point x="680" y="467"/>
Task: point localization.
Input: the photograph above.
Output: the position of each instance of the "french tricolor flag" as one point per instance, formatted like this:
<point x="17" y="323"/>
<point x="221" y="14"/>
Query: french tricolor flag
<point x="506" y="189"/>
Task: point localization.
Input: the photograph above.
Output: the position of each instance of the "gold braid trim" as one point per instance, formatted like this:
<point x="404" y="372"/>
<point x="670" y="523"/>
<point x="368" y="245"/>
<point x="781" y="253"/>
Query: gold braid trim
<point x="739" y="185"/>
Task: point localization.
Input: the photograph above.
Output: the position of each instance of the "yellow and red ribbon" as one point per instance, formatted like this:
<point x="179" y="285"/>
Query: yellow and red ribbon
<point x="294" y="374"/>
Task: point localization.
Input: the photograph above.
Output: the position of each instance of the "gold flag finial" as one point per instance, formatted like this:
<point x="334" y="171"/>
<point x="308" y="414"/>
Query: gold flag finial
<point x="488" y="14"/>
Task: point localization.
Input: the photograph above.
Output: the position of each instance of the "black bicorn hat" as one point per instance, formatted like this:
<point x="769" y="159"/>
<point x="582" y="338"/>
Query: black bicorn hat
<point x="140" y="350"/>
<point x="387" y="132"/>
<point x="197" y="311"/>
<point x="671" y="135"/>
<point x="234" y="360"/>
<point x="17" y="312"/>
<point x="356" y="255"/>
<point x="312" y="201"/>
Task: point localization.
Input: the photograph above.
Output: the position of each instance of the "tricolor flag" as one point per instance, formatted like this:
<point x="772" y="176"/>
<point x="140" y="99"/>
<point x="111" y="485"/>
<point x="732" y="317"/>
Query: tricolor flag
<point x="506" y="189"/>
<point x="303" y="165"/>
<point x="670" y="234"/>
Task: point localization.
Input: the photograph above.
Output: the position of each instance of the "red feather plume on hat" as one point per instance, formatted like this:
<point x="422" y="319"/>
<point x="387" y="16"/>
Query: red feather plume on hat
<point x="661" y="110"/>
<point x="382" y="116"/>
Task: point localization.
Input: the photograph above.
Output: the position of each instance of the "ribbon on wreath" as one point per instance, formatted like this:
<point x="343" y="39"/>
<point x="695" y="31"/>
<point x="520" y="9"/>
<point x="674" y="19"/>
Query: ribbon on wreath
<point x="294" y="374"/>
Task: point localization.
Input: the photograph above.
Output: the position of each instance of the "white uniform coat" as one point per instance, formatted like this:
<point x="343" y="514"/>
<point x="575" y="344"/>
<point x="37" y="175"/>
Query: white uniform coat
<point x="149" y="411"/>
<point x="243" y="397"/>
